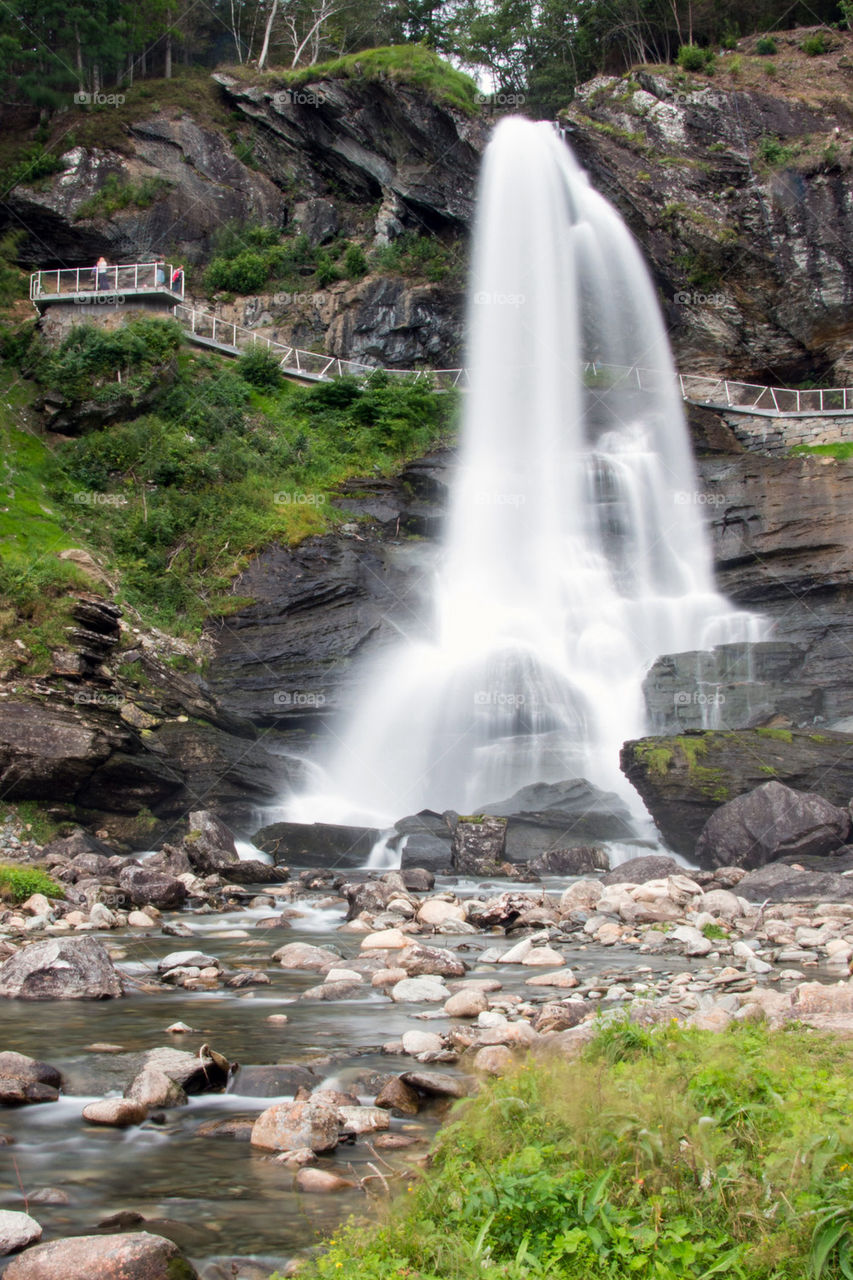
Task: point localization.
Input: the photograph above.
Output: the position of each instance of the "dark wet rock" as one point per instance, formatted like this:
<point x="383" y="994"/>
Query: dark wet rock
<point x="418" y="879"/>
<point x="559" y="815"/>
<point x="398" y="1096"/>
<point x="478" y="847"/>
<point x="771" y="822"/>
<point x="60" y="969"/>
<point x="136" y="1255"/>
<point x="25" y="1080"/>
<point x="248" y="978"/>
<point x="639" y="870"/>
<point x="317" y="219"/>
<point x="438" y="1084"/>
<point x="321" y="844"/>
<point x="209" y="844"/>
<point x="779" y="882"/>
<point x="272" y="1082"/>
<point x="145" y="887"/>
<point x="253" y="871"/>
<point x="582" y="860"/>
<point x="427" y="843"/>
<point x="371" y="896"/>
<point x="239" y="1127"/>
<point x="682" y="780"/>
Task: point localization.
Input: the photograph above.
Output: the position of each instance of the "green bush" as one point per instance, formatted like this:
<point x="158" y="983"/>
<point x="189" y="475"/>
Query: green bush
<point x="119" y="193"/>
<point x="19" y="883"/>
<point x="774" y="152"/>
<point x="260" y="368"/>
<point x="692" y="58"/>
<point x="814" y="45"/>
<point x="355" y="263"/>
<point x="765" y="47"/>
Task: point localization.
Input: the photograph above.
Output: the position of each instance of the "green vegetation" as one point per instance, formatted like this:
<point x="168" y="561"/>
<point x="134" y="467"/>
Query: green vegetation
<point x="401" y="64"/>
<point x="664" y="1154"/>
<point x="118" y="193"/>
<point x="31" y="815"/>
<point x="714" y="932"/>
<point x="775" y="153"/>
<point x="842" y="449"/>
<point x="247" y="260"/>
<point x="779" y="735"/>
<point x="692" y="58"/>
<point x="766" y="47"/>
<point x="19" y="883"/>
<point x="814" y="45"/>
<point x="31" y="163"/>
<point x="219" y="459"/>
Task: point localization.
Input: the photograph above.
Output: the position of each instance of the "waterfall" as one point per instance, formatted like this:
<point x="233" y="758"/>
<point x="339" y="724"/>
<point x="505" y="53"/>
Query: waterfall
<point x="575" y="552"/>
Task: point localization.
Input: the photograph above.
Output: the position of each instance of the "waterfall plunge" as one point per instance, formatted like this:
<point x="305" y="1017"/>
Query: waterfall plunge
<point x="574" y="552"/>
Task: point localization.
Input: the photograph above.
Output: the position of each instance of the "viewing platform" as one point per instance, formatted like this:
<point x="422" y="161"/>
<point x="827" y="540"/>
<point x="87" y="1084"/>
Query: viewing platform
<point x="112" y="286"/>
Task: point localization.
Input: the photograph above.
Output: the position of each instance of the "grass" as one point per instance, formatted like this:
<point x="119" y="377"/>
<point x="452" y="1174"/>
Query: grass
<point x="30" y="814"/>
<point x="175" y="495"/>
<point x="404" y="64"/>
<point x="842" y="450"/>
<point x="666" y="1155"/>
<point x="19" y="883"/>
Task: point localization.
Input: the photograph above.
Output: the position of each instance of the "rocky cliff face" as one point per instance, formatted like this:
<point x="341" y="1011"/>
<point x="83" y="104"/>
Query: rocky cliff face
<point x="738" y="188"/>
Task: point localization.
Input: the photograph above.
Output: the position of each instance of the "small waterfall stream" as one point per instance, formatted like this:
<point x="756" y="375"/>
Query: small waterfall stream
<point x="575" y="552"/>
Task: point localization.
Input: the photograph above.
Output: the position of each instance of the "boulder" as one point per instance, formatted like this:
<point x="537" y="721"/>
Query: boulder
<point x="779" y="882"/>
<point x="25" y="1080"/>
<point x="200" y="1072"/>
<point x="302" y="955"/>
<point x="60" y="969"/>
<point x="209" y="844"/>
<point x="322" y="1181"/>
<point x="545" y="817"/>
<point x="769" y="823"/>
<point x="424" y="990"/>
<point x="579" y="861"/>
<point x="17" y="1230"/>
<point x="683" y="780"/>
<point x="466" y="1004"/>
<point x="317" y="844"/>
<point x="436" y="911"/>
<point x="426" y="848"/>
<point x="494" y="1060"/>
<point x="117" y="1113"/>
<point x="364" y="1119"/>
<point x="651" y="866"/>
<point x="153" y="1088"/>
<point x="397" y="1096"/>
<point x="419" y="960"/>
<point x="314" y="1122"/>
<point x="145" y="887"/>
<point x="135" y="1255"/>
<point x="437" y="1084"/>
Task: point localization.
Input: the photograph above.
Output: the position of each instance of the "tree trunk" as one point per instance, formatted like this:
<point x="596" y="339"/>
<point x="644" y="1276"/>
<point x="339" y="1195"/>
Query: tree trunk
<point x="168" y="70"/>
<point x="265" y="48"/>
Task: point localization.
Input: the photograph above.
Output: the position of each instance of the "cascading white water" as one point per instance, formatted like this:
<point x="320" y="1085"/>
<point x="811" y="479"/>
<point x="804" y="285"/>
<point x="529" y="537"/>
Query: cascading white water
<point x="575" y="553"/>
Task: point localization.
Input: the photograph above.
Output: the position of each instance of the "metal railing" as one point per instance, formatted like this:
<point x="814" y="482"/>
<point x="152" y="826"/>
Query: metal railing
<point x="133" y="278"/>
<point x="307" y="364"/>
<point x="115" y="282"/>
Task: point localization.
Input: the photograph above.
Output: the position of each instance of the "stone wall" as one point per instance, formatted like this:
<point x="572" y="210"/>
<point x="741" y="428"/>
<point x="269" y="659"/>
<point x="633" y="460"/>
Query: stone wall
<point x="775" y="437"/>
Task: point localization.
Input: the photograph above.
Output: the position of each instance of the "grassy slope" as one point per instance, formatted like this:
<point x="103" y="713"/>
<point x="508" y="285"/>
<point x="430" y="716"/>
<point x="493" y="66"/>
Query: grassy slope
<point x="672" y="1155"/>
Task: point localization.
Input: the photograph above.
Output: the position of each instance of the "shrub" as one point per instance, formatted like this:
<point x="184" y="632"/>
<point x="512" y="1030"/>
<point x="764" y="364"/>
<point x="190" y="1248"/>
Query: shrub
<point x="766" y="47"/>
<point x="19" y="883"/>
<point x="692" y="58"/>
<point x="260" y="368"/>
<point x="814" y="45"/>
<point x="355" y="263"/>
<point x="774" y="152"/>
